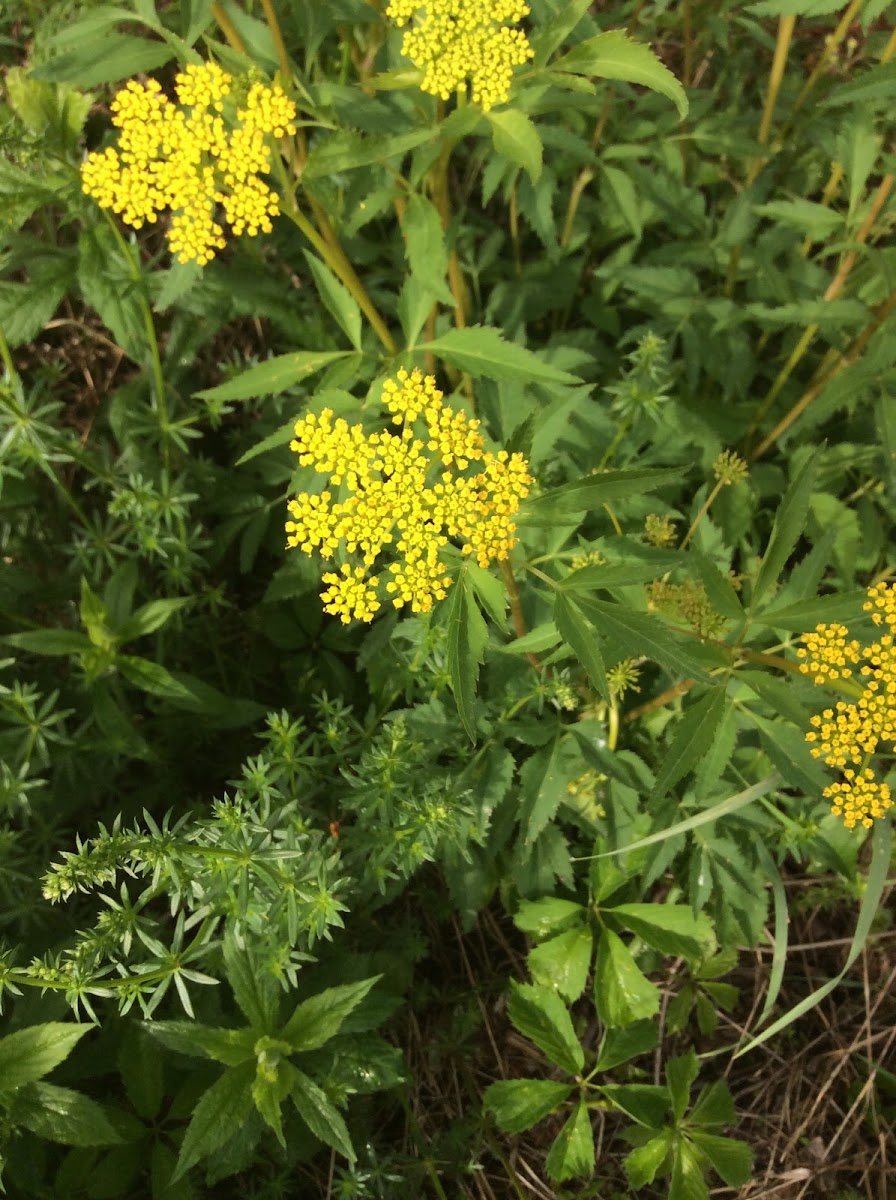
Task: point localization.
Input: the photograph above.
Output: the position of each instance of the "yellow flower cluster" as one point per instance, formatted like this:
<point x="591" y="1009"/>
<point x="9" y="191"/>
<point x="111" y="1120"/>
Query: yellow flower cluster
<point x="458" y="40"/>
<point x="395" y="493"/>
<point x="190" y="157"/>
<point x="847" y="735"/>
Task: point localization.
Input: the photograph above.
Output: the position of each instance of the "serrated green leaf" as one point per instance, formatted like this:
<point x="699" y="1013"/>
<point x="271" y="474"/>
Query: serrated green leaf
<point x="803" y="616"/>
<point x="687" y="1181"/>
<point x="150" y="617"/>
<point x="643" y="1102"/>
<point x="48" y="641"/>
<point x="582" y="640"/>
<point x="228" y="1046"/>
<point x="622" y="993"/>
<point x="518" y="1104"/>
<point x="255" y="991"/>
<point x="640" y="634"/>
<point x="315" y="1109"/>
<point x="572" y="1154"/>
<point x="563" y="962"/>
<point x="592" y="492"/>
<point x="105" y="57"/>
<point x="516" y="137"/>
<point x="346" y="151"/>
<point x="542" y="637"/>
<point x="425" y="247"/>
<point x="274" y="376"/>
<point x="218" y="1116"/>
<point x="731" y="1160"/>
<point x="336" y="299"/>
<point x="694" y="735"/>
<point x="62" y="1115"/>
<point x="539" y="1014"/>
<point x="613" y="55"/>
<point x="670" y="928"/>
<point x="877" y="83"/>
<point x="623" y="1044"/>
<point x="789" y="524"/>
<point x="29" y="1054"/>
<point x="483" y="353"/>
<point x="547" y="916"/>
<point x="467" y="640"/>
<point x="319" y="1018"/>
<point x="681" y="1072"/>
<point x="643" y="1163"/>
<point x="553" y="33"/>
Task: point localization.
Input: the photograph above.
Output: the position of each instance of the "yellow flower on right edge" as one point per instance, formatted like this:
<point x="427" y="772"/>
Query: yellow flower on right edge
<point x="460" y="39"/>
<point x="848" y="735"/>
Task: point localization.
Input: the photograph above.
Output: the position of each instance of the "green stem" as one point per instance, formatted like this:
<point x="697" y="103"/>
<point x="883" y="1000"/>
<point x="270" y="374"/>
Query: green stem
<point x="136" y="274"/>
<point x="701" y="514"/>
<point x="6" y="357"/>
<point x="274" y="25"/>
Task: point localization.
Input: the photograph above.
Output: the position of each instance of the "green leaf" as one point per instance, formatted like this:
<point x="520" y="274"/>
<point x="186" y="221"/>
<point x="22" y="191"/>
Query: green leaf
<point x="582" y="640"/>
<point x="345" y="151"/>
<point x="616" y="575"/>
<point x="572" y="1154"/>
<point x="25" y="308"/>
<point x="483" y="353"/>
<point x="255" y="990"/>
<point x="670" y="928"/>
<point x="731" y="1160"/>
<point x="29" y="1054"/>
<point x="681" y="1072"/>
<point x="695" y="732"/>
<point x="150" y="617"/>
<point x="467" y="640"/>
<point x="640" y="634"/>
<point x="687" y="1181"/>
<point x="543" y="783"/>
<point x="877" y="83"/>
<point x="820" y="610"/>
<point x="280" y="437"/>
<point x="714" y="1106"/>
<point x="563" y="961"/>
<point x="592" y="492"/>
<point x="105" y="57"/>
<point x="49" y="641"/>
<point x="644" y="1103"/>
<point x="643" y="1163"/>
<point x="628" y="1042"/>
<point x="268" y="1093"/>
<point x="790" y="522"/>
<point x="315" y="1109"/>
<point x="554" y="32"/>
<point x="319" y="1018"/>
<point x="612" y="55"/>
<point x="218" y="1116"/>
<point x="550" y="915"/>
<point x="337" y="300"/>
<point x="718" y="588"/>
<point x="425" y="247"/>
<point x="62" y="1115"/>
<point x="228" y="1046"/>
<point x="518" y="1104"/>
<point x="794" y="8"/>
<point x="542" y="637"/>
<point x="622" y="993"/>
<point x="540" y="1015"/>
<point x="516" y="137"/>
<point x="274" y="376"/>
<point x="807" y="216"/>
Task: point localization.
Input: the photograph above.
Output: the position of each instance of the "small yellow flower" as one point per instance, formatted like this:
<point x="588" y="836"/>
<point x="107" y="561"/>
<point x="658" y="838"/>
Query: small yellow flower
<point x="190" y="158"/>
<point x="846" y="736"/>
<point x="458" y="40"/>
<point x="393" y="506"/>
<point x="729" y="468"/>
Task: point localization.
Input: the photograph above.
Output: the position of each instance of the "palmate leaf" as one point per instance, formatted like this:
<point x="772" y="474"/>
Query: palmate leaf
<point x="572" y="1154"/>
<point x="319" y="1018"/>
<point x="582" y="640"/>
<point x="622" y="993"/>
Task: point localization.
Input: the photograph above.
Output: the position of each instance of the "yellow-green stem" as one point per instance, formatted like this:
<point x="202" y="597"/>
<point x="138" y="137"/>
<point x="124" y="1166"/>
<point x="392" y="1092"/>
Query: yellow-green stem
<point x="228" y="28"/>
<point x="343" y="269"/>
<point x="6" y="356"/>
<point x="779" y="63"/>
<point x="702" y="513"/>
<point x="277" y="34"/>
<point x="516" y="608"/>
